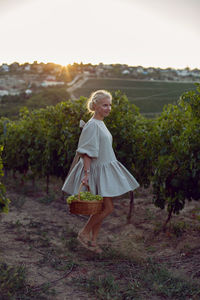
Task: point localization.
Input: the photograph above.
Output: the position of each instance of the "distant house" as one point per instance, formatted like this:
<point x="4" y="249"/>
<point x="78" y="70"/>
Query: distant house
<point x="10" y="92"/>
<point x="51" y="83"/>
<point x="195" y="73"/>
<point x="14" y="92"/>
<point x="28" y="92"/>
<point x="125" y="72"/>
<point x="140" y="69"/>
<point x="3" y="93"/>
<point x="27" y="68"/>
<point x="5" y="68"/>
<point x="183" y="73"/>
<point x="150" y="70"/>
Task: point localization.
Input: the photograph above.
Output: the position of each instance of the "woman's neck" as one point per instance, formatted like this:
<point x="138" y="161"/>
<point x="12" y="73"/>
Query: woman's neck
<point x="97" y="117"/>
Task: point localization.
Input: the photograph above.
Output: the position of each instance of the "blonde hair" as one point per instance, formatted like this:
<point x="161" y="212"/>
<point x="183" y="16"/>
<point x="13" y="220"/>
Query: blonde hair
<point x="96" y="97"/>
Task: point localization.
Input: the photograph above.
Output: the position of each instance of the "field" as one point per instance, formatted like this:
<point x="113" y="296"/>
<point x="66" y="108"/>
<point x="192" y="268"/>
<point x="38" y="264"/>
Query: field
<point x="11" y="105"/>
<point x="149" y="96"/>
<point x="41" y="259"/>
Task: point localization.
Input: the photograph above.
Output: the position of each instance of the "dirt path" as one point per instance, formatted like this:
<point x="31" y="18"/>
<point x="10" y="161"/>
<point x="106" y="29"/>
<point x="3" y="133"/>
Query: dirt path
<point x="41" y="235"/>
<point x="81" y="80"/>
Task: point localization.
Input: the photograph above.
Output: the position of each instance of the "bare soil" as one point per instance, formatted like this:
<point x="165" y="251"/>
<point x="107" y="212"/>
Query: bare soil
<point x="40" y="233"/>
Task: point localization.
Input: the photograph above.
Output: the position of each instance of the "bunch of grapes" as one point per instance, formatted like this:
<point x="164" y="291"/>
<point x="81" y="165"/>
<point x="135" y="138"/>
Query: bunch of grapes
<point x="84" y="196"/>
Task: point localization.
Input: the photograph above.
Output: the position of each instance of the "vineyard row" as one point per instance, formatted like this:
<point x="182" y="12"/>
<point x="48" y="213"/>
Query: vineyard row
<point x="164" y="152"/>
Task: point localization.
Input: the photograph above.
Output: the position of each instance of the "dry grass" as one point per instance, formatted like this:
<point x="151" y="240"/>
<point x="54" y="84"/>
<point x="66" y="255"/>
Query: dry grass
<point x="40" y="235"/>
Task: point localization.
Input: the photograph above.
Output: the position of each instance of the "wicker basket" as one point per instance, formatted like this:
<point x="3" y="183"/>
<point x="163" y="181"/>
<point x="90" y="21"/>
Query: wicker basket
<point x="85" y="208"/>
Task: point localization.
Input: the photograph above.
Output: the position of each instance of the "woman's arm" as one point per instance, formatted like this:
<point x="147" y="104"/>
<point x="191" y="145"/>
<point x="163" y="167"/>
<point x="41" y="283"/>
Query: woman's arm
<point x="86" y="163"/>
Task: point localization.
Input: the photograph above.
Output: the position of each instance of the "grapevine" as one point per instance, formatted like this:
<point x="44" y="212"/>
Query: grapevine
<point x="163" y="152"/>
<point x="4" y="201"/>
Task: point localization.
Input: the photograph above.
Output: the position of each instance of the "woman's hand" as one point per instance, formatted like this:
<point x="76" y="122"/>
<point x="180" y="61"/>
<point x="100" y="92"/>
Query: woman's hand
<point x="86" y="169"/>
<point x="85" y="180"/>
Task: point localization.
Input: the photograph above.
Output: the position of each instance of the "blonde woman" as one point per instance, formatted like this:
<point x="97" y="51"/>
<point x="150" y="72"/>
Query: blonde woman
<point x="98" y="168"/>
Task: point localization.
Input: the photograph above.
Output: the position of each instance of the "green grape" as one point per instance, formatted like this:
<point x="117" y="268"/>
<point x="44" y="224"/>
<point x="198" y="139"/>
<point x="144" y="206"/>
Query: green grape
<point x="72" y="198"/>
<point x="84" y="196"/>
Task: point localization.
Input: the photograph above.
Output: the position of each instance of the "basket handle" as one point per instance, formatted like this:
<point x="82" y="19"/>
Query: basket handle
<point x="79" y="190"/>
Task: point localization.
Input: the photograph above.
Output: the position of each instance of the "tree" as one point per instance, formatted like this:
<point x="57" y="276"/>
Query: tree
<point x="177" y="162"/>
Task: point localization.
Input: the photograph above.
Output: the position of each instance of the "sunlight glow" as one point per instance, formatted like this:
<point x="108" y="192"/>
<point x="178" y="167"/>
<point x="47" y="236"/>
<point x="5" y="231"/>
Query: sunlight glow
<point x="108" y="31"/>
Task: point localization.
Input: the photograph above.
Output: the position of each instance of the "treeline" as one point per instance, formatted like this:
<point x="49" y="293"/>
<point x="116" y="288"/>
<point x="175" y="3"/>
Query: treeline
<point x="164" y="152"/>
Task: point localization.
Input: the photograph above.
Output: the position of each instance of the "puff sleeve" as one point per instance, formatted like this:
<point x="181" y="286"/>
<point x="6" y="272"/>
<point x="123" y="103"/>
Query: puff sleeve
<point x="89" y="140"/>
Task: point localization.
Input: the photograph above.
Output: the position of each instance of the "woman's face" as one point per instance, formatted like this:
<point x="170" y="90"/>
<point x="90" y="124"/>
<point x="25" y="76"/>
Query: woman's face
<point x="103" y="108"/>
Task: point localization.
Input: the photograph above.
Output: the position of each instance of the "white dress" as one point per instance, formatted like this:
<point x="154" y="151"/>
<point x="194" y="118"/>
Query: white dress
<point x="107" y="177"/>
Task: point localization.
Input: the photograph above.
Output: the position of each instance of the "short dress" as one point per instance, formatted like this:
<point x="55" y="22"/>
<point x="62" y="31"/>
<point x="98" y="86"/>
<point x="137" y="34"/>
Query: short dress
<point x="107" y="177"/>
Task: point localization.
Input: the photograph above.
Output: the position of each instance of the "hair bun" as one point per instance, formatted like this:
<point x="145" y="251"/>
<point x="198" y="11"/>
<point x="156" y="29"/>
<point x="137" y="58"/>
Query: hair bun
<point x="96" y="97"/>
<point x="91" y="106"/>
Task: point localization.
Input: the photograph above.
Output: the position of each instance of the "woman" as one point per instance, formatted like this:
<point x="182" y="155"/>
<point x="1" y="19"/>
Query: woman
<point x="98" y="167"/>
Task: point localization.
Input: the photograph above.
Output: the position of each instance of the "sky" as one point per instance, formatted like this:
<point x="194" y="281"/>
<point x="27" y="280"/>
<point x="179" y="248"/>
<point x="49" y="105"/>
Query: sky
<point x="149" y="33"/>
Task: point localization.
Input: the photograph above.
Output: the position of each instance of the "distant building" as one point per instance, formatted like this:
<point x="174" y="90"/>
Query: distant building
<point x="3" y="93"/>
<point x="27" y="68"/>
<point x="195" y="73"/>
<point x="51" y="83"/>
<point x="125" y="72"/>
<point x="28" y="92"/>
<point x="183" y="73"/>
<point x="5" y="68"/>
<point x="140" y="69"/>
<point x="150" y="70"/>
<point x="14" y="92"/>
<point x="10" y="92"/>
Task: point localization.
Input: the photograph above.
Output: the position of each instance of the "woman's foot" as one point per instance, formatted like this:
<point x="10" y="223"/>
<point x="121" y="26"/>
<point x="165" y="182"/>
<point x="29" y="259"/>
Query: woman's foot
<point x="95" y="248"/>
<point x="93" y="243"/>
<point x="84" y="240"/>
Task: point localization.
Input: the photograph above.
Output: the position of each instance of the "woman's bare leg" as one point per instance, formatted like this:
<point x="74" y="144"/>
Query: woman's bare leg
<point x="96" y="228"/>
<point x="95" y="232"/>
<point x="94" y="223"/>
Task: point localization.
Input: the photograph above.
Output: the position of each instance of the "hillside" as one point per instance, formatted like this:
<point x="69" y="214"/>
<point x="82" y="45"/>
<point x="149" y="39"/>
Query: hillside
<point x="148" y="88"/>
<point x="10" y="105"/>
<point x="149" y="96"/>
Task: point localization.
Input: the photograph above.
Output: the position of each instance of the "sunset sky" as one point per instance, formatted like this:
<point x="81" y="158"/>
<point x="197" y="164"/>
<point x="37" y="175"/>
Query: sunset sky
<point x="150" y="33"/>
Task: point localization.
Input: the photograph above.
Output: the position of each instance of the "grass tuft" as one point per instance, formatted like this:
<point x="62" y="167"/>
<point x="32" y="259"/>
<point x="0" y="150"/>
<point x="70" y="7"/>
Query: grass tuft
<point x="103" y="287"/>
<point x="13" y="285"/>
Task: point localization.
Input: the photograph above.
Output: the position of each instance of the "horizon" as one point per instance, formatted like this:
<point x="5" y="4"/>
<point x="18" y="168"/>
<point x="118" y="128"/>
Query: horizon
<point x="95" y="64"/>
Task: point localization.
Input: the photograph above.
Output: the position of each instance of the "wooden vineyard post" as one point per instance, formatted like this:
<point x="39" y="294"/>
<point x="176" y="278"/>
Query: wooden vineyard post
<point x="131" y="207"/>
